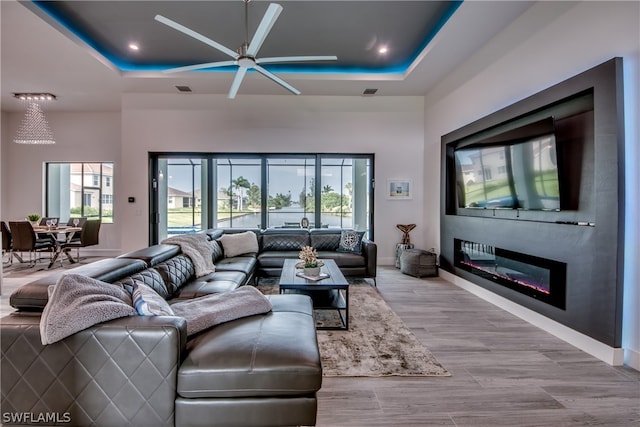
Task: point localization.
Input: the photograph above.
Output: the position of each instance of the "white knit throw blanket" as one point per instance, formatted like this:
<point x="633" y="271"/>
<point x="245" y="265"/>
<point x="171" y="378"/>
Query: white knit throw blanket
<point x="197" y="247"/>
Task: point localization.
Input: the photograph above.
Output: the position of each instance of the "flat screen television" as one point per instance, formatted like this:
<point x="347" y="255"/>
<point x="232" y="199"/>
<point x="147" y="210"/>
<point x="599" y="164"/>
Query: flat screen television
<point x="514" y="170"/>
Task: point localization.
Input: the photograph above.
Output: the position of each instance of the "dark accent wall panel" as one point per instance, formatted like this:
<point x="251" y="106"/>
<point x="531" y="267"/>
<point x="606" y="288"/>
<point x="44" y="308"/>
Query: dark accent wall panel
<point x="591" y="149"/>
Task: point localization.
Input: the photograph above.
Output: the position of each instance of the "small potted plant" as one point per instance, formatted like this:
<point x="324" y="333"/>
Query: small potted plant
<point x="310" y="264"/>
<point x="33" y="218"/>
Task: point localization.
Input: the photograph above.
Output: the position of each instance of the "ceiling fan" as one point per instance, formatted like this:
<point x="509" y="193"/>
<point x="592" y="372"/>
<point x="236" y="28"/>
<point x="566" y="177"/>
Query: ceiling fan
<point x="245" y="57"/>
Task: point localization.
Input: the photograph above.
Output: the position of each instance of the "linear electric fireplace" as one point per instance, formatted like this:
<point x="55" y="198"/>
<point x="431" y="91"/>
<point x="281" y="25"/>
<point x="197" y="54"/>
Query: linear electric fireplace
<point x="539" y="278"/>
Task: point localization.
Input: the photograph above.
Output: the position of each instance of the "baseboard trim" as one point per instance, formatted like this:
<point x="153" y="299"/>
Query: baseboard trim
<point x="611" y="355"/>
<point x="97" y="252"/>
<point x="632" y="358"/>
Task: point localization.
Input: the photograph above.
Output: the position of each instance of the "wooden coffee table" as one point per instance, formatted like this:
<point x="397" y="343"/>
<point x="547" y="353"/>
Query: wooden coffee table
<point x="331" y="293"/>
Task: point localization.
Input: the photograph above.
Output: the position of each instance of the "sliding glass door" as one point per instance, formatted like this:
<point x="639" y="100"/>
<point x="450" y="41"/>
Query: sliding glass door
<point x="180" y="183"/>
<point x="290" y="192"/>
<point x="238" y="187"/>
<point x="191" y="192"/>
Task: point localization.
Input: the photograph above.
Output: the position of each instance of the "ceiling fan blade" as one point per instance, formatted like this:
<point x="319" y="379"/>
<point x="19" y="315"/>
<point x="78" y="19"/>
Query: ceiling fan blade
<point x="195" y="35"/>
<point x="295" y="59"/>
<point x="261" y="33"/>
<point x="200" y="66"/>
<point x="236" y="82"/>
<point x="276" y="79"/>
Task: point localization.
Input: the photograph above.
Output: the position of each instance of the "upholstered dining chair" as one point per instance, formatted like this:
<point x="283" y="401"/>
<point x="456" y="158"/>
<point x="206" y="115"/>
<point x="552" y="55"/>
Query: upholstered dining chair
<point x="24" y="239"/>
<point x="76" y="235"/>
<point x="7" y="244"/>
<point x="89" y="236"/>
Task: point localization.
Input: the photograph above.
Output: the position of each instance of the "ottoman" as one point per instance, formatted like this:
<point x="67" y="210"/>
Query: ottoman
<point x="418" y="263"/>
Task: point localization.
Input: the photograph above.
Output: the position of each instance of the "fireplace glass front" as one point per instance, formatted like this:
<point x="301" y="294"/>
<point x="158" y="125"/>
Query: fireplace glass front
<point x="539" y="278"/>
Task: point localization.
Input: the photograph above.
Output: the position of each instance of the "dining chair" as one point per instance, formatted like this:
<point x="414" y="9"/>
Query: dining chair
<point x="89" y="236"/>
<point x="7" y="244"/>
<point x="76" y="235"/>
<point x="24" y="239"/>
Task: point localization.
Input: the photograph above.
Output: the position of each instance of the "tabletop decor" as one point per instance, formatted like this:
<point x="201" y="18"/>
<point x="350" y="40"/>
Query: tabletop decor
<point x="406" y="229"/>
<point x="33" y="218"/>
<point x="406" y="240"/>
<point x="309" y="257"/>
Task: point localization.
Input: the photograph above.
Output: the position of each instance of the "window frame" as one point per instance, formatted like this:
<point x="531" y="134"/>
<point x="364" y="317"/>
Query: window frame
<point x="100" y="188"/>
<point x="154" y="169"/>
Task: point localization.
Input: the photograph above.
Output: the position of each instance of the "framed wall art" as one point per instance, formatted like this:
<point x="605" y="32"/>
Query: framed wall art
<point x="399" y="189"/>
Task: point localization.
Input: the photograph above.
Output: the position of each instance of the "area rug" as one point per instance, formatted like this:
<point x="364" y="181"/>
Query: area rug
<point x="377" y="344"/>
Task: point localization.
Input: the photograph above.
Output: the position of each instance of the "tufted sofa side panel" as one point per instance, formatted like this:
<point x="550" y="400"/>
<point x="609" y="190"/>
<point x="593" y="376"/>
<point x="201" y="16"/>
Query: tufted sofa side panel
<point x="122" y="372"/>
<point x="325" y="240"/>
<point x="150" y="277"/>
<point x="217" y="253"/>
<point x="284" y="240"/>
<point x="175" y="272"/>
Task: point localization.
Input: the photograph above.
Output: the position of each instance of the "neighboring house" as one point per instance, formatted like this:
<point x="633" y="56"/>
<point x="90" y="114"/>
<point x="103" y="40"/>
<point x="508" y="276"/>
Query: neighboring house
<point x="85" y="185"/>
<point x="179" y="199"/>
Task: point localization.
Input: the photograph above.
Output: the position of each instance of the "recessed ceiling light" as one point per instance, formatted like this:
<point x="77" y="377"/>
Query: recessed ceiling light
<point x="383" y="50"/>
<point x="134" y="46"/>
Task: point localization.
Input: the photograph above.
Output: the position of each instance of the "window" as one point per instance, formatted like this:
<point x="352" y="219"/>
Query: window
<point x="290" y="191"/>
<point x="260" y="191"/>
<point x="76" y="190"/>
<point x="238" y="195"/>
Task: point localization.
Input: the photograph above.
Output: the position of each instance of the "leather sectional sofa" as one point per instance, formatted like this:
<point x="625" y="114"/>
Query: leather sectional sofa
<point x="277" y="244"/>
<point x="261" y="370"/>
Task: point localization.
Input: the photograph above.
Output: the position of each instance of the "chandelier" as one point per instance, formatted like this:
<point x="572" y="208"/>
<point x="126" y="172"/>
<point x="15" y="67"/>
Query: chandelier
<point x="34" y="128"/>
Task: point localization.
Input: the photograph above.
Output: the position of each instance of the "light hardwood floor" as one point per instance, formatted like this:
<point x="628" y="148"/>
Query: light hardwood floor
<point x="505" y="372"/>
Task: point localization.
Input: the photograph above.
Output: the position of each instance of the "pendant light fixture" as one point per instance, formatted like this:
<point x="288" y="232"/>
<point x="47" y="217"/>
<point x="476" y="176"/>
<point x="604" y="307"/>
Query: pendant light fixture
<point x="34" y="128"/>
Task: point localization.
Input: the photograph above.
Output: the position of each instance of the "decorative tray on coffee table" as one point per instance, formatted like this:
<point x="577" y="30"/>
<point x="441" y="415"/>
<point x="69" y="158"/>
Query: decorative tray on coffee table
<point x="314" y="278"/>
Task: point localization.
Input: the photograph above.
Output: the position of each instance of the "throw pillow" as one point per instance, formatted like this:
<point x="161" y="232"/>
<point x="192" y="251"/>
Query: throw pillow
<point x="235" y="244"/>
<point x="351" y="241"/>
<point x="148" y="302"/>
<point x="77" y="302"/>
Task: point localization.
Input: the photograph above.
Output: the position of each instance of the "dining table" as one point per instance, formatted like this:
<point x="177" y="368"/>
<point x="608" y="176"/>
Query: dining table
<point x="56" y="233"/>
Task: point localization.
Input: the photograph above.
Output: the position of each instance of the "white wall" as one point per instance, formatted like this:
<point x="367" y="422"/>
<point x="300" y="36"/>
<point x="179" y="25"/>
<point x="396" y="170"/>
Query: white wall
<point x="549" y="43"/>
<point x="82" y="137"/>
<point x="389" y="127"/>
